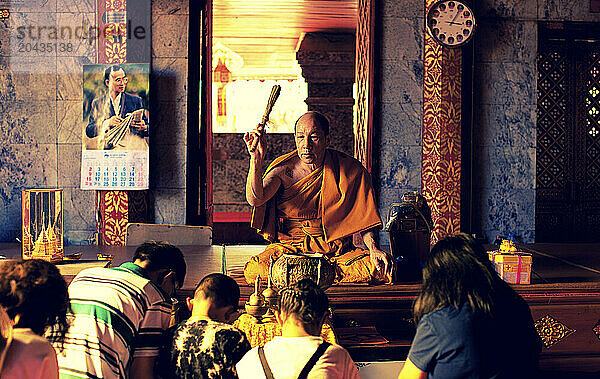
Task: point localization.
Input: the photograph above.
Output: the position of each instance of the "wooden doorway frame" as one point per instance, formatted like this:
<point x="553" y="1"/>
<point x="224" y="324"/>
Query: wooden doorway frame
<point x="199" y="206"/>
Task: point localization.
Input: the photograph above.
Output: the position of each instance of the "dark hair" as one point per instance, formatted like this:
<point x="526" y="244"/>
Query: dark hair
<point x="162" y="255"/>
<point x="318" y="118"/>
<point x="110" y="69"/>
<point x="457" y="272"/>
<point x="222" y="290"/>
<point x="35" y="290"/>
<point x="307" y="302"/>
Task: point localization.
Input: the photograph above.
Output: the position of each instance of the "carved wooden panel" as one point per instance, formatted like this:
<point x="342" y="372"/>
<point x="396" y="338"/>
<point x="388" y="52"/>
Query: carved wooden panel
<point x="568" y="138"/>
<point x="364" y="82"/>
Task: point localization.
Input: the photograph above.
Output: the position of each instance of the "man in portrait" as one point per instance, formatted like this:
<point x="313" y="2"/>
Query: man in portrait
<point x="117" y="119"/>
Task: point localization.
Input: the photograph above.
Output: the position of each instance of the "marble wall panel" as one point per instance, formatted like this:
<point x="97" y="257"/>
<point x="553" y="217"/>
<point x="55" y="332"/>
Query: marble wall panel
<point x="46" y="6"/>
<point x="512" y="125"/>
<point x="505" y="167"/>
<point x="402" y="123"/>
<point x="402" y="81"/>
<point x="168" y="122"/>
<point x="168" y="43"/>
<point x="403" y="37"/>
<point x="34" y="78"/>
<point x="78" y="208"/>
<point x="10" y="214"/>
<point x="511" y="9"/>
<point x="506" y="83"/>
<point x="411" y="9"/>
<point x="170" y="7"/>
<point x="69" y="124"/>
<point x="5" y="32"/>
<point x="69" y="77"/>
<point x="168" y="80"/>
<point x="506" y="41"/>
<point x="400" y="166"/>
<point x="28" y="30"/>
<point x="69" y="164"/>
<point x="74" y="34"/>
<point x="564" y="10"/>
<point x="27" y="166"/>
<point x="508" y="211"/>
<point x="29" y="121"/>
<point x="80" y="237"/>
<point x="167" y="166"/>
<point x="169" y="206"/>
<point x="75" y="6"/>
<point x="229" y="146"/>
<point x="219" y="181"/>
<point x="237" y="171"/>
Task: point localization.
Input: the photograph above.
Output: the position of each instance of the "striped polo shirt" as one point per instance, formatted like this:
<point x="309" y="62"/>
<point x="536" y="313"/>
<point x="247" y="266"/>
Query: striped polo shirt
<point x="117" y="314"/>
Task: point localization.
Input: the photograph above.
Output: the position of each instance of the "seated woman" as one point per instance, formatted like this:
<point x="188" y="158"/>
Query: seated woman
<point x="470" y="323"/>
<point x="36" y="300"/>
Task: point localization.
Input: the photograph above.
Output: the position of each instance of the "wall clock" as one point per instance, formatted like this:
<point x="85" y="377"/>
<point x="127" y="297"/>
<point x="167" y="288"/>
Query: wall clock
<point x="450" y="23"/>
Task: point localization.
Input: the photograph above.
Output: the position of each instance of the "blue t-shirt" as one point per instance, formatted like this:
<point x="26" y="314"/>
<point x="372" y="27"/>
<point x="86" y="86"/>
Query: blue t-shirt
<point x="460" y="343"/>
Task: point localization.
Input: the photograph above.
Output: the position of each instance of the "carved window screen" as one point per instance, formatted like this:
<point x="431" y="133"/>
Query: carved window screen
<point x="568" y="134"/>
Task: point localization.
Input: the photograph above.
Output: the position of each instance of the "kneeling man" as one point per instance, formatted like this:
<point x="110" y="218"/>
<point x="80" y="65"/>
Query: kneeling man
<point x="312" y="200"/>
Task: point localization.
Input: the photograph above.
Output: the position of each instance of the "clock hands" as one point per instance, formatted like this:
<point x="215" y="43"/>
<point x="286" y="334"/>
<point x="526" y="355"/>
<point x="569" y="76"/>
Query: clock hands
<point x="454" y="19"/>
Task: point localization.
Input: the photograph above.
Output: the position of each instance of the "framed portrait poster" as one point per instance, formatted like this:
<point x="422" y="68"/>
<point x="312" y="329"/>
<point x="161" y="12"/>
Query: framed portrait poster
<point x="115" y="128"/>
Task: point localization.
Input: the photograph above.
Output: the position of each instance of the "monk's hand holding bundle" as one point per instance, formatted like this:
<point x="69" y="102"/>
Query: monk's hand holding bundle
<point x="255" y="142"/>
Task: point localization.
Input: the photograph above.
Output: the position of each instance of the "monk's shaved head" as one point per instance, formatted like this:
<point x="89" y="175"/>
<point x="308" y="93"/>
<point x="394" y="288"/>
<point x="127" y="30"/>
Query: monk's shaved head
<point x="318" y="118"/>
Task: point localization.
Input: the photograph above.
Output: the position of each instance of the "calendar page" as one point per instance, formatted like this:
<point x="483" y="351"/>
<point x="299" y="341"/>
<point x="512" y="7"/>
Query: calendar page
<point x="115" y="153"/>
<point x="109" y="170"/>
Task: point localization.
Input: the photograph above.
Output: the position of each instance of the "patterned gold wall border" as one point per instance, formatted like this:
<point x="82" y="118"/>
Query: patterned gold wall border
<point x="441" y="157"/>
<point x="551" y="330"/>
<point x="113" y="208"/>
<point x="113" y="40"/>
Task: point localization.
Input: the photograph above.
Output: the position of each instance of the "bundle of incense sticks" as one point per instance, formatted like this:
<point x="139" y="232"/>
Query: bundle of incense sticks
<point x="116" y="134"/>
<point x="275" y="91"/>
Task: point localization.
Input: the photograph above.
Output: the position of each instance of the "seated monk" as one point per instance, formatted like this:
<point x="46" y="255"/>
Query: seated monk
<point x="312" y="200"/>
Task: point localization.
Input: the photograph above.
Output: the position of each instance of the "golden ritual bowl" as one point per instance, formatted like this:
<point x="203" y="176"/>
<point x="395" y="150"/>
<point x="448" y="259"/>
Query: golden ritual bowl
<point x="290" y="268"/>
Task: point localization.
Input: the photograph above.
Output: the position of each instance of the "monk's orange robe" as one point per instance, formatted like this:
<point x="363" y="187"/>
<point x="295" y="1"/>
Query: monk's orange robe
<point x="319" y="214"/>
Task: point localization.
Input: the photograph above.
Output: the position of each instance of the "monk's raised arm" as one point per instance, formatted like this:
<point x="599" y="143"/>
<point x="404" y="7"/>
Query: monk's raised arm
<point x="259" y="191"/>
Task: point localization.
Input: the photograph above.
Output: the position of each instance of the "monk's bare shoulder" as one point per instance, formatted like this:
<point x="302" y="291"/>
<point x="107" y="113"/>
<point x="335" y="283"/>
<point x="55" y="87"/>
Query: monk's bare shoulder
<point x="286" y="172"/>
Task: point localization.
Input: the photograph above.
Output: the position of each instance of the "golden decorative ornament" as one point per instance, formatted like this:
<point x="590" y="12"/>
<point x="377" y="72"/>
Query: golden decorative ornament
<point x="551" y="330"/>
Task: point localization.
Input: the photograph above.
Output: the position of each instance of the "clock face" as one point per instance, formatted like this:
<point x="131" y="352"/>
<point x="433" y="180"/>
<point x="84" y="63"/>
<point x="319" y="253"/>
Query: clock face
<point x="450" y="22"/>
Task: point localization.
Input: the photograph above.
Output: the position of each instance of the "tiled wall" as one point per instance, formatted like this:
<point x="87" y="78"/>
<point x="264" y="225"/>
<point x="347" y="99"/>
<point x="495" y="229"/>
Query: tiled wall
<point x="505" y="119"/>
<point x="399" y="106"/>
<point x="41" y="115"/>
